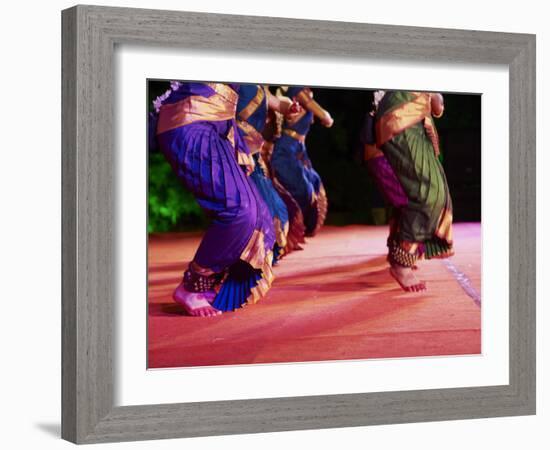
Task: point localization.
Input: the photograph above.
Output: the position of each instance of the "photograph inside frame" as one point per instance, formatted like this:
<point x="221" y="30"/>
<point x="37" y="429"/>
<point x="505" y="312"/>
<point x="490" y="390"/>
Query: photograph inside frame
<point x="302" y="223"/>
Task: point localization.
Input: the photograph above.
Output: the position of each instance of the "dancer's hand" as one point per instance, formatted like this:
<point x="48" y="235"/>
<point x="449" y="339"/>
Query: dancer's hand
<point x="284" y="104"/>
<point x="437" y="104"/>
<point x="305" y="98"/>
<point x="278" y="103"/>
<point x="327" y="120"/>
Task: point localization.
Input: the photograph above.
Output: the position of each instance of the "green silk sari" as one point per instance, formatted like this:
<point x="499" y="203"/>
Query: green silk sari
<point x="406" y="135"/>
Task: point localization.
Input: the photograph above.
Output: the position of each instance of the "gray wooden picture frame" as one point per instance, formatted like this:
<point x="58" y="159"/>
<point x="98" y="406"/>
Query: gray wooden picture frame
<point x="90" y="34"/>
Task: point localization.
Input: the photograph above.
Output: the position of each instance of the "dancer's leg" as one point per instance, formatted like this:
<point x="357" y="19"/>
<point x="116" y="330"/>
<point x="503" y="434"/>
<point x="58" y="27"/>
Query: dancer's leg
<point x="205" y="162"/>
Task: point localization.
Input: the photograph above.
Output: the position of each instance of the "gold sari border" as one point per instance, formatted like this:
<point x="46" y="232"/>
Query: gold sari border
<point x="224" y="91"/>
<point x="193" y="109"/>
<point x="264" y="284"/>
<point x="294" y="135"/>
<point x="402" y="117"/>
<point x="252" y="137"/>
<point x="280" y="232"/>
<point x="256" y="255"/>
<point x="218" y="107"/>
<point x="444" y="229"/>
<point x="431" y="131"/>
<point x="321" y="204"/>
<point x="253" y="105"/>
<point x="246" y="160"/>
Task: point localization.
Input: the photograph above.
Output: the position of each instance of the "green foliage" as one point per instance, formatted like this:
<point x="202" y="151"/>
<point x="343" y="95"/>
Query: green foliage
<point x="171" y="206"/>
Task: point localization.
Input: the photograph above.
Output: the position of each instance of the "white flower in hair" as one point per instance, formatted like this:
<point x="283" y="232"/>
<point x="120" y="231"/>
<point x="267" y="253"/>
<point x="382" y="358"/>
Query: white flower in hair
<point x="175" y="85"/>
<point x="378" y="95"/>
<point x="157" y="103"/>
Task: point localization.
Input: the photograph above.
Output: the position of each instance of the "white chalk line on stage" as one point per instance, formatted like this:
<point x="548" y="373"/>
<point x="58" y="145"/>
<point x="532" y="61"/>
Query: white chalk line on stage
<point x="463" y="281"/>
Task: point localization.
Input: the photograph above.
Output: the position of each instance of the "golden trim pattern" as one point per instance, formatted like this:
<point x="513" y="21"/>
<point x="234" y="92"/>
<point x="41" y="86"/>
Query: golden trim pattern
<point x="224" y="91"/>
<point x="256" y="255"/>
<point x="254" y="104"/>
<point x="264" y="284"/>
<point x="220" y="106"/>
<point x="246" y="160"/>
<point x="395" y="121"/>
<point x="252" y="137"/>
<point x="445" y="226"/>
<point x="280" y="232"/>
<point x="295" y="135"/>
<point x="431" y="131"/>
<point x="254" y="252"/>
<point x="321" y="203"/>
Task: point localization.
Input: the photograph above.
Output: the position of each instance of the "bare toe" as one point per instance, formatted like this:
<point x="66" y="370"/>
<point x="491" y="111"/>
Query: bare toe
<point x="196" y="304"/>
<point x="406" y="278"/>
<point x="212" y="312"/>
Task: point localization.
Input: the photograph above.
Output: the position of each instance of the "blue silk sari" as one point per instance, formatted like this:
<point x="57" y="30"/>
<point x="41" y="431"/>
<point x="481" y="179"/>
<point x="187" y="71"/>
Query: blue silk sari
<point x="292" y="167"/>
<point x="251" y="118"/>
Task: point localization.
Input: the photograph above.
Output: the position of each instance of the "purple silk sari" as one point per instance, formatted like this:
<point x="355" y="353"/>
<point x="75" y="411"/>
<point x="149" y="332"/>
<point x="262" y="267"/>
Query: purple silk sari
<point x="204" y="160"/>
<point x="240" y="238"/>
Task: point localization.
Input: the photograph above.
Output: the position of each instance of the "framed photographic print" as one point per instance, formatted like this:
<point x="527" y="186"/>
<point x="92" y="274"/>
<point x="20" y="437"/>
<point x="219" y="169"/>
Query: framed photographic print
<point x="302" y="233"/>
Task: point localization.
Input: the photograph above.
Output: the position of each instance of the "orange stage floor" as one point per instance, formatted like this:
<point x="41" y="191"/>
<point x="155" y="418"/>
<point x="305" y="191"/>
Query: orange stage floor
<point x="335" y="300"/>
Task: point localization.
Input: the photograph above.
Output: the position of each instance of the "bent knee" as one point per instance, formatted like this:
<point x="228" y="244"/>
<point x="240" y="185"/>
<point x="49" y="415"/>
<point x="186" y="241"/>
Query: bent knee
<point x="244" y="214"/>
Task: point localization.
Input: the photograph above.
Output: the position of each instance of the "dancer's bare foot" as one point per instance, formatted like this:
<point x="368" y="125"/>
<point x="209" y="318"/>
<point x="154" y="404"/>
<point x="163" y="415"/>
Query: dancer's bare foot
<point x="196" y="303"/>
<point x="407" y="279"/>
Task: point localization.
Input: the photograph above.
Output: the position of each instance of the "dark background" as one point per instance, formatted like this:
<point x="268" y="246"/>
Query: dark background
<point x="336" y="154"/>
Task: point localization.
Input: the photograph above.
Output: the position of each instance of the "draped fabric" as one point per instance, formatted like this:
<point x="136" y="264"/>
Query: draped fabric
<point x="252" y="111"/>
<point x="274" y="202"/>
<point x="410" y="174"/>
<point x="293" y="168"/>
<point x="296" y="229"/>
<point x="240" y="237"/>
